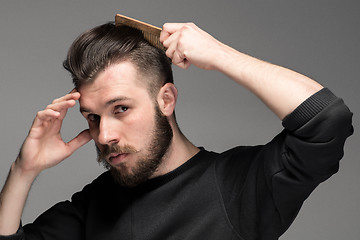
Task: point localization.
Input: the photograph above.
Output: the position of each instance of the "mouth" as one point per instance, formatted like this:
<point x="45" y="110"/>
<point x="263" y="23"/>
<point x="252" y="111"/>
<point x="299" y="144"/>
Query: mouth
<point x="117" y="158"/>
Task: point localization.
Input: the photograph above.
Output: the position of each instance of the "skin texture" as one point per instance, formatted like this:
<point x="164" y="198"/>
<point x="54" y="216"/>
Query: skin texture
<point x="131" y="137"/>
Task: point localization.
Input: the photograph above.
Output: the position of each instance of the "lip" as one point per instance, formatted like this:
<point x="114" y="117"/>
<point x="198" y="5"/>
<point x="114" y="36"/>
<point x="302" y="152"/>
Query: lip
<point x="117" y="158"/>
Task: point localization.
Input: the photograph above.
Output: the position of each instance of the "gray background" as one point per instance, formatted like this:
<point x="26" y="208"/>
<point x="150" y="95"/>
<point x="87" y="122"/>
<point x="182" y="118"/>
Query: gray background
<point x="318" y="38"/>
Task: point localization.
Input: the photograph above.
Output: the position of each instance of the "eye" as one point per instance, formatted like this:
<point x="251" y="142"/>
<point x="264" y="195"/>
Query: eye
<point x="93" y="118"/>
<point x="120" y="109"/>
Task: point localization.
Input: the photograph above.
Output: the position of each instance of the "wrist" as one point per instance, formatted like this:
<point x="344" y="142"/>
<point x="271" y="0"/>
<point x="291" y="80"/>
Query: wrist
<point x="12" y="199"/>
<point x="227" y="59"/>
<point x="24" y="175"/>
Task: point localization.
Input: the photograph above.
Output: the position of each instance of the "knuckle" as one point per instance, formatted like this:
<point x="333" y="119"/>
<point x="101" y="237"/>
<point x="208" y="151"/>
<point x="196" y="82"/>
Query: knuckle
<point x="40" y="114"/>
<point x="184" y="28"/>
<point x="191" y="25"/>
<point x="50" y="106"/>
<point x="165" y="26"/>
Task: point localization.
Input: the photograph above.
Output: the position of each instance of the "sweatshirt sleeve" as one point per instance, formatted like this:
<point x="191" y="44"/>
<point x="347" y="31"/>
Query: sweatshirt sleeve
<point x="19" y="235"/>
<point x="62" y="221"/>
<point x="66" y="220"/>
<point x="263" y="187"/>
<point x="310" y="149"/>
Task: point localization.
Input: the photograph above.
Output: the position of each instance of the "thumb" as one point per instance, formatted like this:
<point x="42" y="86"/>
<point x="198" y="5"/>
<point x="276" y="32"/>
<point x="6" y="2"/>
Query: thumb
<point x="78" y="141"/>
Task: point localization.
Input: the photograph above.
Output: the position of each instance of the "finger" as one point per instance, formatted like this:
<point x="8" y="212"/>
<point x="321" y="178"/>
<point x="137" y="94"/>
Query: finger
<point x="78" y="141"/>
<point x="72" y="95"/>
<point x="45" y="115"/>
<point x="62" y="108"/>
<point x="174" y="48"/>
<point x="171" y="41"/>
<point x="171" y="28"/>
<point x="175" y="51"/>
<point x="170" y="51"/>
<point x="73" y="90"/>
<point x="168" y="32"/>
<point x="186" y="64"/>
<point x="63" y="105"/>
<point x="178" y="59"/>
<point x="164" y="35"/>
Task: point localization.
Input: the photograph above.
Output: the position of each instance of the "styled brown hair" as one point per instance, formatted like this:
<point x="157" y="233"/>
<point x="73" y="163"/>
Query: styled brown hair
<point x="107" y="44"/>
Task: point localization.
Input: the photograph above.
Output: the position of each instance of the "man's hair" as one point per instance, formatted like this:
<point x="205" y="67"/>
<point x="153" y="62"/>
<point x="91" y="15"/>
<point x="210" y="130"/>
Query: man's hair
<point x="107" y="44"/>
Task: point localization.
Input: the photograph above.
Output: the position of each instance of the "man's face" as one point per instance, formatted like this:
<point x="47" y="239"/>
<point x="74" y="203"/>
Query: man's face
<point x="130" y="133"/>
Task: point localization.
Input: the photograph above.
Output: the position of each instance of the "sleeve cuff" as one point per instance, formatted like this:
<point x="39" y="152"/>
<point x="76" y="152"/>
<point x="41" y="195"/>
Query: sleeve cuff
<point x="308" y="109"/>
<point x="19" y="235"/>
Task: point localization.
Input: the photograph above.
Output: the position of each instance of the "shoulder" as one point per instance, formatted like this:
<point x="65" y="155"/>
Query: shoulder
<point x="237" y="161"/>
<point x="240" y="154"/>
<point x="100" y="183"/>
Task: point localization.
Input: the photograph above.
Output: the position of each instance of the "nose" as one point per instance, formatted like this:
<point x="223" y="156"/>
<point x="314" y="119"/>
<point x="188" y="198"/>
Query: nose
<point x="107" y="132"/>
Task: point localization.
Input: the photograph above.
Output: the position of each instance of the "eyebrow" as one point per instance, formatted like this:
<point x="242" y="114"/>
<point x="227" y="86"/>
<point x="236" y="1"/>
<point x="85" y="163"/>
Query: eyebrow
<point x="108" y="103"/>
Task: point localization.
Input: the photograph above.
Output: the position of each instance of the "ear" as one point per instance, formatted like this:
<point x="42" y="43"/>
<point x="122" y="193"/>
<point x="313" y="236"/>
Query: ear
<point x="167" y="99"/>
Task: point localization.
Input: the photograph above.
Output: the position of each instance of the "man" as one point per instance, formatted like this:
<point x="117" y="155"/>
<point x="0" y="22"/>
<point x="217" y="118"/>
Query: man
<point x="159" y="185"/>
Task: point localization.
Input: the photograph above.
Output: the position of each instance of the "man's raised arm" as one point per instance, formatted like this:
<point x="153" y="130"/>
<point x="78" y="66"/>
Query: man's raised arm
<point x="43" y="148"/>
<point x="281" y="89"/>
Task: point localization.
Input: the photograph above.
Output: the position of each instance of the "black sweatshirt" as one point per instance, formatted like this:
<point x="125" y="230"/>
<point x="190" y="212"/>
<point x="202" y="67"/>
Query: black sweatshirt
<point x="247" y="193"/>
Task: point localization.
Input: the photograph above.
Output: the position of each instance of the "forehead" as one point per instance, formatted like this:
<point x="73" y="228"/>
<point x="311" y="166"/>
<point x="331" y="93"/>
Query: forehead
<point x="117" y="80"/>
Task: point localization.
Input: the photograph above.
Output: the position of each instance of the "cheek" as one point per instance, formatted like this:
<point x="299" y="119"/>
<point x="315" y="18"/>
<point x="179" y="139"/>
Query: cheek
<point x="141" y="125"/>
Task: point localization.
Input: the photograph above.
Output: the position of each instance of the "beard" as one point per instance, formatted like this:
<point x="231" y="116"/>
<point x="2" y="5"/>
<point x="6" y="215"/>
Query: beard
<point x="148" y="163"/>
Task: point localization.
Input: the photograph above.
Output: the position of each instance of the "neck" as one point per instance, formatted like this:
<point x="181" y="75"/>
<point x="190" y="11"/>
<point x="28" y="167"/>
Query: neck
<point x="179" y="152"/>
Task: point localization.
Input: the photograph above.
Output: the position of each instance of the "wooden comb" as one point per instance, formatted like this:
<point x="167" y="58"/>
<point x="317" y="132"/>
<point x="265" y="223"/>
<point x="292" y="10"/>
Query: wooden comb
<point x="151" y="33"/>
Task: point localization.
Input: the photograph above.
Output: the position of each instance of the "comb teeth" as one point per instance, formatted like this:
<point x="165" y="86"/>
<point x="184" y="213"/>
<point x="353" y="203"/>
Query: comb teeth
<point x="151" y="33"/>
<point x="153" y="40"/>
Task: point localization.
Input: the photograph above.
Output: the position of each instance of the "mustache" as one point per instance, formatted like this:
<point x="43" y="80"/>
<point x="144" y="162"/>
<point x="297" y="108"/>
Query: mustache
<point x="115" y="149"/>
